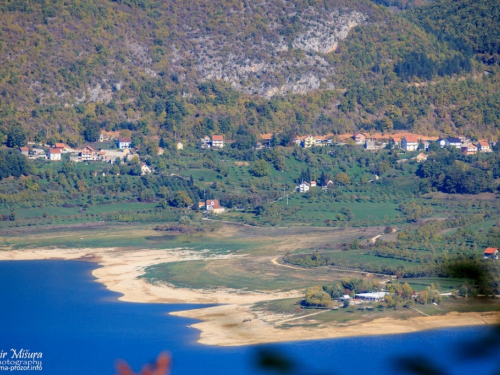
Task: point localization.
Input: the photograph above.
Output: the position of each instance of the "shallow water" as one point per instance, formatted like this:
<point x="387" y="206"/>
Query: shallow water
<point x="56" y="308"/>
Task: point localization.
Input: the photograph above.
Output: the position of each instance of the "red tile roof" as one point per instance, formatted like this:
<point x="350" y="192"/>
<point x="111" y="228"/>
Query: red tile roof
<point x="490" y="250"/>
<point x="214" y="203"/>
<point x="266" y="136"/>
<point x="55" y="150"/>
<point x="217" y="138"/>
<point x="411" y="139"/>
<point x="59" y="145"/>
<point x="484" y="144"/>
<point x="126" y="139"/>
<point x="24" y="149"/>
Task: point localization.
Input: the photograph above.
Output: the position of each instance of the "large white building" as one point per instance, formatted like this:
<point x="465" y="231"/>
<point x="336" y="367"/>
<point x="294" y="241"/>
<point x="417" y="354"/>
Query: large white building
<point x="124" y="143"/>
<point x="55" y="154"/>
<point x="409" y="143"/>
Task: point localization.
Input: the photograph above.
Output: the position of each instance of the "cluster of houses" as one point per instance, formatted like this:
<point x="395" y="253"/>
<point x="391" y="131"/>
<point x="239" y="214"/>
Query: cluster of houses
<point x="86" y="154"/>
<point x="407" y="143"/>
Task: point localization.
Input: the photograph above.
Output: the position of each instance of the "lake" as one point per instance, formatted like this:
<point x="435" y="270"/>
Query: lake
<point x="56" y="308"/>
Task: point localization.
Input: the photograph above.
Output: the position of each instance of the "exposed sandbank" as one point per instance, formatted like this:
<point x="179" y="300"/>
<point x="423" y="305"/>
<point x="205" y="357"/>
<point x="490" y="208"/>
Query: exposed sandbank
<point x="234" y="323"/>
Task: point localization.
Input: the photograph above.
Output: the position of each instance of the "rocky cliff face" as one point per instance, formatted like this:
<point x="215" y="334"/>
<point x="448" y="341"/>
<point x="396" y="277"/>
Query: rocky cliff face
<point x="278" y="64"/>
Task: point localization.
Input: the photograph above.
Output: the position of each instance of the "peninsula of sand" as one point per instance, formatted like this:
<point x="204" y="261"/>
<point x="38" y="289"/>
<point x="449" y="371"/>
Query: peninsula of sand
<point x="234" y="321"/>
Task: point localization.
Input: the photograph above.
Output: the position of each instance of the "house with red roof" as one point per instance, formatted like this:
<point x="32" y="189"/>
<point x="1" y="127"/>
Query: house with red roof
<point x="55" y="154"/>
<point x="483" y="146"/>
<point x="24" y="150"/>
<point x="88" y="153"/>
<point x="218" y="141"/>
<point x="124" y="143"/>
<point x="213" y="205"/>
<point x="491" y="252"/>
<point x="409" y="143"/>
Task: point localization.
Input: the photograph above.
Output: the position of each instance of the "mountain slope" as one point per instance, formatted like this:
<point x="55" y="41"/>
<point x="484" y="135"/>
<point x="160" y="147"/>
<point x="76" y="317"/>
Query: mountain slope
<point x="191" y="68"/>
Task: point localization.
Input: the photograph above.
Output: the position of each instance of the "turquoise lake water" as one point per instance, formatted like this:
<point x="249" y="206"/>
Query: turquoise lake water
<point x="56" y="308"/>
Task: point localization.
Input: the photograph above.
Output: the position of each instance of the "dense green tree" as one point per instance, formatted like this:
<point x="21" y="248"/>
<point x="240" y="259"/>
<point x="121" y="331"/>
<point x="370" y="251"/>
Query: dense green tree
<point x="16" y="136"/>
<point x="260" y="168"/>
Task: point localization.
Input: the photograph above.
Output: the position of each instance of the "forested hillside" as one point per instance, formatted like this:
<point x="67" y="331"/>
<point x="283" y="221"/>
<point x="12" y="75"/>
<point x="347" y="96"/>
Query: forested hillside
<point x="185" y="69"/>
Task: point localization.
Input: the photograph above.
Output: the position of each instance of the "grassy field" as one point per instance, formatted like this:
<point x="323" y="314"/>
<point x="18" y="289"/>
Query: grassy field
<point x="67" y="211"/>
<point x="447" y="284"/>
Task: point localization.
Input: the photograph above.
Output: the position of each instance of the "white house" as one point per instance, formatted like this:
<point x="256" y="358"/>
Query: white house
<point x="304" y="187"/>
<point x="145" y="169"/>
<point x="409" y="143"/>
<point x="88" y="154"/>
<point x="309" y="141"/>
<point x="55" y="154"/>
<point x="24" y="150"/>
<point x="454" y="142"/>
<point x="124" y="143"/>
<point x="205" y="142"/>
<point x="218" y="141"/>
<point x="483" y="146"/>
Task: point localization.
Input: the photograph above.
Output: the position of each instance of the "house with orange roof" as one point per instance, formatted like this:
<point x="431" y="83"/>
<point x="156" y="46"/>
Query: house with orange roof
<point x="421" y="157"/>
<point x="409" y="143"/>
<point x="24" y="150"/>
<point x="266" y="139"/>
<point x="218" y="141"/>
<point x="88" y="154"/>
<point x="490" y="252"/>
<point x="483" y="146"/>
<point x="55" y="154"/>
<point x="213" y="205"/>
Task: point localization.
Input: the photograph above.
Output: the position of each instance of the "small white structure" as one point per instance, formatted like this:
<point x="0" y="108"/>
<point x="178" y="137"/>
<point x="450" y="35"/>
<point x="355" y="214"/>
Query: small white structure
<point x="205" y="142"/>
<point x="377" y="296"/>
<point x="124" y="143"/>
<point x="179" y="146"/>
<point x="145" y="169"/>
<point x="441" y="142"/>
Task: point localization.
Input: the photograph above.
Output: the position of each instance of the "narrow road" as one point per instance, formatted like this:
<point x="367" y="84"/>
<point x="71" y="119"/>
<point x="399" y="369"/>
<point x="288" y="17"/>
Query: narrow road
<point x="300" y="317"/>
<point x="418" y="311"/>
<point x="275" y="262"/>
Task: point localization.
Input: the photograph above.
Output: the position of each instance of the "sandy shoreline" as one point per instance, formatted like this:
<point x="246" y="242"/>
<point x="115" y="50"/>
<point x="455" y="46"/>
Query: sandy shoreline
<point x="235" y="323"/>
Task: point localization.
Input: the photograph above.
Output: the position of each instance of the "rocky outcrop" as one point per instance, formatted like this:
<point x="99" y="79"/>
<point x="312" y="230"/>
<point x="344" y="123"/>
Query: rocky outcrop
<point x="274" y="66"/>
